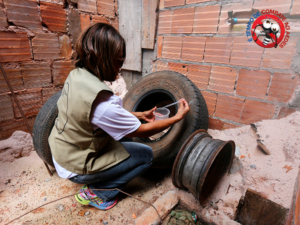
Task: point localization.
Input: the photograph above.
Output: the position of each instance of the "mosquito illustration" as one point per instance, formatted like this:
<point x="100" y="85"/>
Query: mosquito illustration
<point x="268" y="28"/>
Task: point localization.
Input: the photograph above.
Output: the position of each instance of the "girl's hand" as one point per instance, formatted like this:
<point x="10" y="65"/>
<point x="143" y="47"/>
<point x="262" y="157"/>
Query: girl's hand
<point x="183" y="109"/>
<point x="149" y="116"/>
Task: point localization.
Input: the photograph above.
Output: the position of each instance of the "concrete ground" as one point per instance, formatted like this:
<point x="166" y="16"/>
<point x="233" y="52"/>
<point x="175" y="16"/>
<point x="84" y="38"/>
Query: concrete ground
<point x="25" y="183"/>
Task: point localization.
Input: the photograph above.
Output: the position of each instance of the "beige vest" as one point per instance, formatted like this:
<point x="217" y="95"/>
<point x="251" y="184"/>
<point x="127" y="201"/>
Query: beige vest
<point x="73" y="142"/>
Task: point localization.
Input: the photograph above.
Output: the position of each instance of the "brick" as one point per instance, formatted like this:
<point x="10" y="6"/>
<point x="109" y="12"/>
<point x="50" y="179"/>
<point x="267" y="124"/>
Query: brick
<point x="85" y="21"/>
<point x="246" y="53"/>
<point x="280" y="58"/>
<point x="218" y="49"/>
<point x="255" y="111"/>
<point x="222" y="79"/>
<point x="215" y="124"/>
<point x="160" y="66"/>
<point x="253" y="83"/>
<point x="74" y="28"/>
<point x="161" y="4"/>
<point x="282" y="6"/>
<point x="61" y="70"/>
<point x="115" y="23"/>
<point x="211" y="100"/>
<point x="48" y="93"/>
<point x="182" y="20"/>
<point x="54" y="16"/>
<point x="296" y="8"/>
<point x="229" y="108"/>
<point x="163" y="206"/>
<point x="106" y="7"/>
<point x="193" y="48"/>
<point x="159" y="46"/>
<point x="164" y="22"/>
<point x="87" y="5"/>
<point x="8" y="128"/>
<point x="169" y="3"/>
<point x="206" y="19"/>
<point x="15" y="79"/>
<point x="23" y="13"/>
<point x="285" y="111"/>
<point x="14" y="47"/>
<point x="65" y="45"/>
<point x="6" y="112"/>
<point x="3" y="22"/>
<point x="229" y="126"/>
<point x="178" y="67"/>
<point x="240" y="10"/>
<point x="172" y="47"/>
<point x="60" y="2"/>
<point x="45" y="46"/>
<point x="116" y="8"/>
<point x="282" y="87"/>
<point x="36" y="75"/>
<point x="30" y="102"/>
<point x="196" y="1"/>
<point x="99" y="19"/>
<point x="294" y="25"/>
<point x="199" y="75"/>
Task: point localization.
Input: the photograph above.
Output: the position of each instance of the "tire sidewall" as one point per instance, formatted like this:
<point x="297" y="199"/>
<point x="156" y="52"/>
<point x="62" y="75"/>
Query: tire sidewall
<point x="172" y="83"/>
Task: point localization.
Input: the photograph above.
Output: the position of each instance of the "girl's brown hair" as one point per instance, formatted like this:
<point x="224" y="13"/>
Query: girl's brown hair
<point x="101" y="50"/>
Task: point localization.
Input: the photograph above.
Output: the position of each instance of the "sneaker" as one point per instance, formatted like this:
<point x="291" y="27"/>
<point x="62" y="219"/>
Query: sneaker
<point x="85" y="197"/>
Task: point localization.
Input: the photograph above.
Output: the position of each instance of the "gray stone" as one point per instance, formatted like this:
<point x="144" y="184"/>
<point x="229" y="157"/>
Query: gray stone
<point x="60" y="207"/>
<point x="237" y="165"/>
<point x="252" y="166"/>
<point x="237" y="151"/>
<point x="18" y="145"/>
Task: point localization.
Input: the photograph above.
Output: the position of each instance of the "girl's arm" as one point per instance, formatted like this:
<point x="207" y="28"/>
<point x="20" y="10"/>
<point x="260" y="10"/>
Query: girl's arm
<point x="148" y="116"/>
<point x="149" y="129"/>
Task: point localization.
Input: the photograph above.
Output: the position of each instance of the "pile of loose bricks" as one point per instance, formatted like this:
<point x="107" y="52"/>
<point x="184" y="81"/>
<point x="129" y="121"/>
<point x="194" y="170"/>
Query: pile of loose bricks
<point x="241" y="82"/>
<point x="37" y="40"/>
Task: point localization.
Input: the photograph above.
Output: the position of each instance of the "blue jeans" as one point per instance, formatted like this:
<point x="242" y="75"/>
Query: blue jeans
<point x="118" y="176"/>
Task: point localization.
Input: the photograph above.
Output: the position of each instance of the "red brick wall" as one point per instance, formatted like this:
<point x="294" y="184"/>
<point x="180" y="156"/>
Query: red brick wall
<point x="241" y="82"/>
<point x="37" y="41"/>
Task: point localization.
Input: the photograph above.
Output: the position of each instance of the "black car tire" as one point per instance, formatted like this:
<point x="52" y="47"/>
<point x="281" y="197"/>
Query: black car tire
<point x="161" y="88"/>
<point x="42" y="128"/>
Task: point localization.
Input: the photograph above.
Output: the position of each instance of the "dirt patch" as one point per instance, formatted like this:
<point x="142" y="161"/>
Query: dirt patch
<point x="25" y="184"/>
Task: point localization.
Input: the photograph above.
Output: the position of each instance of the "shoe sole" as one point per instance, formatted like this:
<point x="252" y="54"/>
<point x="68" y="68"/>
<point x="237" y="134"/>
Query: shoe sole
<point x="88" y="202"/>
<point x="107" y="208"/>
<point x="81" y="201"/>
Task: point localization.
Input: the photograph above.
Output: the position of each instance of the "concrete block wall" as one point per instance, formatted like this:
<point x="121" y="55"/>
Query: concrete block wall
<point x="37" y="40"/>
<point x="241" y="82"/>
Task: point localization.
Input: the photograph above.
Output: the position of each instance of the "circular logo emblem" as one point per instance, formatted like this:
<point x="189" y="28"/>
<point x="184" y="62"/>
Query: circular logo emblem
<point x="268" y="31"/>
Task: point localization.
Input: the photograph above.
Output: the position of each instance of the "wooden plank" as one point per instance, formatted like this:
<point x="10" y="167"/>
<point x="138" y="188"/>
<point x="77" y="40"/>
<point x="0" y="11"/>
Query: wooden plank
<point x="130" y="23"/>
<point x="294" y="214"/>
<point x="127" y="76"/>
<point x="149" y="22"/>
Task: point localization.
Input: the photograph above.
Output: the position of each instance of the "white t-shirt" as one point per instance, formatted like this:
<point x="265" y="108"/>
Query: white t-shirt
<point x="108" y="114"/>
